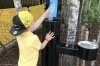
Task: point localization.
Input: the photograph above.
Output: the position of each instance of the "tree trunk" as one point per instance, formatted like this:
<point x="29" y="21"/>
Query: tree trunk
<point x="70" y="11"/>
<point x="18" y="5"/>
<point x="72" y="21"/>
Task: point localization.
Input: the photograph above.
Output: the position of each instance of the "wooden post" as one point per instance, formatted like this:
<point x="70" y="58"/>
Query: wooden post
<point x="98" y="39"/>
<point x="82" y="33"/>
<point x="81" y="38"/>
<point x="86" y="35"/>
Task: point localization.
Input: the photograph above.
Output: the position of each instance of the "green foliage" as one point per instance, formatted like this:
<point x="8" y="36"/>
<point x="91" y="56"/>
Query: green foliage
<point x="91" y="12"/>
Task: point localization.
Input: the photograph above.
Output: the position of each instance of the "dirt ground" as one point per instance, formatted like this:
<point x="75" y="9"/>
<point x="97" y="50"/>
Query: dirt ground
<point x="9" y="57"/>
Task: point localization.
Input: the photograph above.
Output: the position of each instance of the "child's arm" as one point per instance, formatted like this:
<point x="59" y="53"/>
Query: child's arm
<point x="35" y="25"/>
<point x="49" y="36"/>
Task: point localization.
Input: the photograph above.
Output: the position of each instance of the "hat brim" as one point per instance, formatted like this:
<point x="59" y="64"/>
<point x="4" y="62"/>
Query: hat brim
<point x="15" y="32"/>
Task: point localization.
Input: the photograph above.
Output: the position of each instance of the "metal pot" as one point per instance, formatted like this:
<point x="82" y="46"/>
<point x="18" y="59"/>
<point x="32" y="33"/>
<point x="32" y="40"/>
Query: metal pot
<point x="87" y="50"/>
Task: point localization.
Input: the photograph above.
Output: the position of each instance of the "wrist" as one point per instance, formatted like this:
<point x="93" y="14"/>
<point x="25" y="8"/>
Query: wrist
<point x="47" y="40"/>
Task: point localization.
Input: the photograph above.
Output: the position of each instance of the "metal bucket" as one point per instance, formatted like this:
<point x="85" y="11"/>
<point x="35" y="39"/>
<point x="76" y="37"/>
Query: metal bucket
<point x="87" y="50"/>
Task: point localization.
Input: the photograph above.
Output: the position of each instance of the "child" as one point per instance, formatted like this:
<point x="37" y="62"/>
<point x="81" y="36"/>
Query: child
<point x="29" y="43"/>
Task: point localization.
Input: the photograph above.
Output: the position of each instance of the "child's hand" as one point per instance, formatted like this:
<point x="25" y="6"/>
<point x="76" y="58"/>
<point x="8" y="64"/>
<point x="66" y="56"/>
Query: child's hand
<point x="49" y="36"/>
